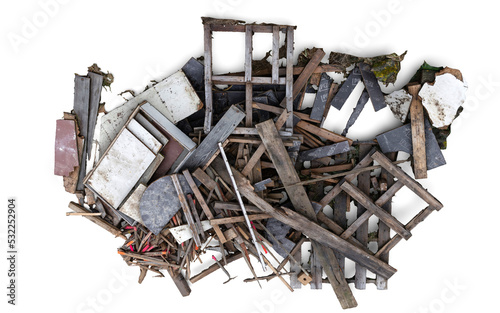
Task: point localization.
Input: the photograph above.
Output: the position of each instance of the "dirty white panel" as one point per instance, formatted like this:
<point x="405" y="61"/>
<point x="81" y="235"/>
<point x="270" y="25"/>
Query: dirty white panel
<point x="443" y="98"/>
<point x="120" y="168"/>
<point x="178" y="96"/>
<point x="151" y="128"/>
<point x="183" y="232"/>
<point x="399" y="101"/>
<point x="131" y="206"/>
<point x="146" y="137"/>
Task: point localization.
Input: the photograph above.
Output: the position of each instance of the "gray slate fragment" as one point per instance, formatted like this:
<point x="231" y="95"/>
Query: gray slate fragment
<point x="399" y="139"/>
<point x="346" y="89"/>
<point x="324" y="151"/>
<point x="160" y="202"/>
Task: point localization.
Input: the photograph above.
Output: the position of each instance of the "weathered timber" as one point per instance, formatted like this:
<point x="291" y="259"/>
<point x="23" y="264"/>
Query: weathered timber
<point x="219" y="133"/>
<point x="323" y="133"/>
<point x="95" y="97"/>
<point x="99" y="221"/>
<point x="417" y="133"/>
<point x="207" y="37"/>
<point x="325" y="151"/>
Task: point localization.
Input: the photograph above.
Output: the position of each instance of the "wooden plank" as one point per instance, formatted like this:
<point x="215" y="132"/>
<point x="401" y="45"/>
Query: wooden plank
<point x="214" y="267"/>
<point x="278" y="110"/>
<point x="180" y="282"/>
<point x="187" y="210"/>
<point x="235" y="207"/>
<point x="306" y="226"/>
<point x="417" y="133"/>
<point x="207" y="37"/>
<point x="407" y="180"/>
<point x="316" y="272"/>
<point x="239" y="219"/>
<point x="201" y="201"/>
<point x="219" y="133"/>
<point x="327" y="169"/>
<point x="291" y="88"/>
<point x="94" y="99"/>
<point x="205" y="179"/>
<point x="295" y="267"/>
<point x="248" y="74"/>
<point x="275" y="55"/>
<point x="252" y="131"/>
<point x="324" y="133"/>
<point x="298" y="197"/>
<point x="362" y="231"/>
<point x="340" y="206"/>
<point x="81" y="108"/>
<point x="240" y="80"/>
<point x="261" y="148"/>
<point x="388" y="219"/>
<point x="97" y="220"/>
<point x="384" y="231"/>
<point x="420" y="217"/>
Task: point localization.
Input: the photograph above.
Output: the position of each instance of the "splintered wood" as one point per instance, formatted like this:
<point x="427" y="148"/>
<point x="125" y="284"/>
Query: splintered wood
<point x="253" y="175"/>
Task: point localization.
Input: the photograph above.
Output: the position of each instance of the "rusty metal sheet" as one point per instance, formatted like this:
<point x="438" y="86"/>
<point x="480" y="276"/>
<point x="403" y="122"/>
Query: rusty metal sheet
<point x="118" y="171"/>
<point x="160" y="202"/>
<point x="399" y="139"/>
<point x="178" y="96"/>
<point x="66" y="151"/>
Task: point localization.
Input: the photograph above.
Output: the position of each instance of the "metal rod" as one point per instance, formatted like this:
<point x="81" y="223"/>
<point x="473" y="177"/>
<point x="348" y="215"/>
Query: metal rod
<point x="228" y="167"/>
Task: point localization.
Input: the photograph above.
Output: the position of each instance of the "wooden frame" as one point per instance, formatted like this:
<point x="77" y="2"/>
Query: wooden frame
<point x="216" y="25"/>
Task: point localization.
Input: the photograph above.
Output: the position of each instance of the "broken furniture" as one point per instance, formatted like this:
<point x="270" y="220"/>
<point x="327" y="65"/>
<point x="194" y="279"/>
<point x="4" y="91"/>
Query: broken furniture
<point x="193" y="177"/>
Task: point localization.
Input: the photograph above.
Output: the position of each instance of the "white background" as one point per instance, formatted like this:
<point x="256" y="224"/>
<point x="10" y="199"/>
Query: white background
<point x="65" y="263"/>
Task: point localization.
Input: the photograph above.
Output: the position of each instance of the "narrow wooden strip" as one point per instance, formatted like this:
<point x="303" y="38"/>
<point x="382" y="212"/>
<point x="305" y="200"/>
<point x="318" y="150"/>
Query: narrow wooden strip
<point x="407" y="180"/>
<point x="240" y="80"/>
<point x="99" y="221"/>
<point x="238" y="219"/>
<point x="207" y="36"/>
<point x="187" y="210"/>
<point x="327" y="169"/>
<point x="388" y="219"/>
<point x="205" y="179"/>
<point x="291" y="88"/>
<point x="324" y="133"/>
<point x="275" y="55"/>
<point x="417" y="133"/>
<point x="214" y="267"/>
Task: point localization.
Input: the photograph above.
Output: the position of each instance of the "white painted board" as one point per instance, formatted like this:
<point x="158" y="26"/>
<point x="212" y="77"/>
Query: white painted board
<point x="131" y="206"/>
<point x="120" y="168"/>
<point x="143" y="135"/>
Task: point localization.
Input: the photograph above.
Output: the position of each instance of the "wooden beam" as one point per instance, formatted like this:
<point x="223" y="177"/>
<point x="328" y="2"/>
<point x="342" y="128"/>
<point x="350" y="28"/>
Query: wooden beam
<point x="275" y="55"/>
<point x="417" y="133"/>
<point x="323" y="133"/>
<point x="238" y="219"/>
<point x="207" y="36"/>
<point x="388" y="219"/>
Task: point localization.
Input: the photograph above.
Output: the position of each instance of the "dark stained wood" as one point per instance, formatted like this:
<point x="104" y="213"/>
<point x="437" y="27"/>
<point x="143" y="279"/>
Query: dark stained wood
<point x="214" y="267"/>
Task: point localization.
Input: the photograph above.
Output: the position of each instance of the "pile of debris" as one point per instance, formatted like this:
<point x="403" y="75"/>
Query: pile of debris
<point x="186" y="167"/>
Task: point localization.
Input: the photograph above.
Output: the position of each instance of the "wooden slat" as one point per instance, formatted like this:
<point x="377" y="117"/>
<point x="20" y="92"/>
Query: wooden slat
<point x="214" y="267"/>
<point x="95" y="97"/>
<point x="304" y="225"/>
<point x="407" y="180"/>
<point x="291" y="88"/>
<point x="219" y="133"/>
<point x="327" y="169"/>
<point x="388" y="219"/>
<point x="99" y="221"/>
<point x="187" y="210"/>
<point x="417" y="133"/>
<point x="207" y="36"/>
<point x="275" y="55"/>
<point x="202" y="203"/>
<point x="324" y="133"/>
<point x="384" y="231"/>
<point x="298" y="197"/>
<point x="239" y="219"/>
<point x="240" y="80"/>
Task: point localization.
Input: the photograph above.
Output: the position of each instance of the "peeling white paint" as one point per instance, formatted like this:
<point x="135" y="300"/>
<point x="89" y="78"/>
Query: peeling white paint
<point x="443" y="98"/>
<point x="399" y="101"/>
